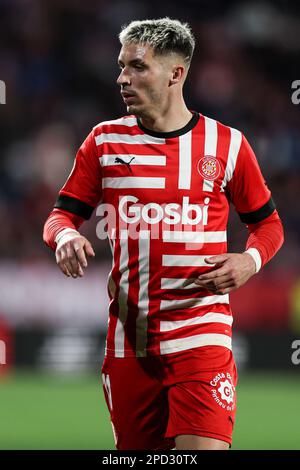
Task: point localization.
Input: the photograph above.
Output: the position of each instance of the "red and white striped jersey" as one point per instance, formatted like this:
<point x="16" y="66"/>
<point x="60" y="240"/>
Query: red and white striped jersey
<point x="168" y="195"/>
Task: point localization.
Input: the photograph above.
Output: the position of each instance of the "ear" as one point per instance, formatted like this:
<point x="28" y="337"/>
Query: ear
<point x="177" y="75"/>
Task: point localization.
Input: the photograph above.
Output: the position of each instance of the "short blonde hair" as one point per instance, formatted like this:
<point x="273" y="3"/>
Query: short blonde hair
<point x="164" y="35"/>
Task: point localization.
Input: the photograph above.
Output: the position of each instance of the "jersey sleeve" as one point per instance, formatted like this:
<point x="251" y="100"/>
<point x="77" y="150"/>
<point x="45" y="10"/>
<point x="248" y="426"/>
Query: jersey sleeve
<point x="247" y="188"/>
<point x="83" y="189"/>
<point x="57" y="221"/>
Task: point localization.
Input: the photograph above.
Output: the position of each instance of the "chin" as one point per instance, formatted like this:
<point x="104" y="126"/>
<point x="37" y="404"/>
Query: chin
<point x="133" y="110"/>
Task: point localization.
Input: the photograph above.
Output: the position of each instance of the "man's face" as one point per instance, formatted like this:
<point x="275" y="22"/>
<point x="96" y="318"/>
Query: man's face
<point x="144" y="79"/>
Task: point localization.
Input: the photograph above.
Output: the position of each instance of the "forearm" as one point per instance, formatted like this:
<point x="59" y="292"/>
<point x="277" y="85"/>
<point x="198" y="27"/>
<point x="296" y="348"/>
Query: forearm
<point x="266" y="237"/>
<point x="57" y="221"/>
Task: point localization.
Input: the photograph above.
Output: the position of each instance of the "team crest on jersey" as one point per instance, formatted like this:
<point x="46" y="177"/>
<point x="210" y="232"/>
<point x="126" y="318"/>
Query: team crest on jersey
<point x="209" y="168"/>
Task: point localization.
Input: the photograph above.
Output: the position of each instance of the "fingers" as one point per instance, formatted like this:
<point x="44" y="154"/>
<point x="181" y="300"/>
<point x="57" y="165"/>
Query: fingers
<point x="80" y="254"/>
<point x="225" y="288"/>
<point x="231" y="271"/>
<point x="217" y="276"/>
<point x="60" y="263"/>
<point x="67" y="265"/>
<point x="214" y="284"/>
<point x="72" y="260"/>
<point x="89" y="249"/>
<point x="215" y="273"/>
<point x="219" y="287"/>
<point x="217" y="259"/>
<point x="71" y="256"/>
<point x="64" y="269"/>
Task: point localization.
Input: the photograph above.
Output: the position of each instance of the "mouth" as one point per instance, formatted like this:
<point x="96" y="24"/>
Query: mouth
<point x="125" y="92"/>
<point x="127" y="96"/>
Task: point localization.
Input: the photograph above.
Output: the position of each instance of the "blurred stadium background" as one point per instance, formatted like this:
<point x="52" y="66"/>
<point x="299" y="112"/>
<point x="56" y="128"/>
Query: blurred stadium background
<point x="58" y="61"/>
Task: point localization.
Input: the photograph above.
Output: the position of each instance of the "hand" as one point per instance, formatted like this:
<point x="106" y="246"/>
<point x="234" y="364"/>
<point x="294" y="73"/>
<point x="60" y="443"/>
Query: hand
<point x="71" y="252"/>
<point x="231" y="270"/>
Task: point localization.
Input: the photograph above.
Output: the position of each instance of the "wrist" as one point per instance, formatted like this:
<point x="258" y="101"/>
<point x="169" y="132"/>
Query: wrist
<point x="255" y="255"/>
<point x="65" y="235"/>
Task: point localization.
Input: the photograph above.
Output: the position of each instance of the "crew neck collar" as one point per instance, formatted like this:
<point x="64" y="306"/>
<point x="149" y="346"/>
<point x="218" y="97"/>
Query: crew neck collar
<point x="166" y="135"/>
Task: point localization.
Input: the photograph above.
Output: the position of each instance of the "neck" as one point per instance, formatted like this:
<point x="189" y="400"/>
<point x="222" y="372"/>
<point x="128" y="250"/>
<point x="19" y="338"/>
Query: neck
<point x="171" y="119"/>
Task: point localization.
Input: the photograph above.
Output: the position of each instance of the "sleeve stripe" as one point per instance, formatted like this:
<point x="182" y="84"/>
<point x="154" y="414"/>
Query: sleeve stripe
<point x="234" y="148"/>
<point x="258" y="215"/>
<point x="71" y="204"/>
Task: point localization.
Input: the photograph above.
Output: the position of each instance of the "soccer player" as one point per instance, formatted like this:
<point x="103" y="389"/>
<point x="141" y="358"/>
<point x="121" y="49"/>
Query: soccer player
<point x="170" y="174"/>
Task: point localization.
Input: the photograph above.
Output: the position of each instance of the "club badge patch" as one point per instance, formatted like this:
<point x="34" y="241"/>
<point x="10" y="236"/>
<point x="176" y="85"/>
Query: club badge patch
<point x="209" y="168"/>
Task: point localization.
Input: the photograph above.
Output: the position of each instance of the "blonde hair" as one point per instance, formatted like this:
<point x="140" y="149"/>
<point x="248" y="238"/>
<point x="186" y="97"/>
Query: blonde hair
<point x="164" y="35"/>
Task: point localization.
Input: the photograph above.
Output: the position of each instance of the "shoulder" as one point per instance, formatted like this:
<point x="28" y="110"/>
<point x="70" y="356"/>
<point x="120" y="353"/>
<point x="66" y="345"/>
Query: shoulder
<point x="111" y="130"/>
<point x="222" y="130"/>
<point x="114" y="124"/>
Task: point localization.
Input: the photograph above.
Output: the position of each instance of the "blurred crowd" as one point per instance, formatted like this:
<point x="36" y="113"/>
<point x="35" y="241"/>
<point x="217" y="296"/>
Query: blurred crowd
<point x="58" y="59"/>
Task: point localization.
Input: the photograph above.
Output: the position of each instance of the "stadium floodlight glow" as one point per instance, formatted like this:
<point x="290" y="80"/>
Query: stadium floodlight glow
<point x="2" y="92"/>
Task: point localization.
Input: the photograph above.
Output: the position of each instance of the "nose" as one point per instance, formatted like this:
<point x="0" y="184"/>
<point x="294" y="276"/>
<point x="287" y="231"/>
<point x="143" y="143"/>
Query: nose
<point x="123" y="79"/>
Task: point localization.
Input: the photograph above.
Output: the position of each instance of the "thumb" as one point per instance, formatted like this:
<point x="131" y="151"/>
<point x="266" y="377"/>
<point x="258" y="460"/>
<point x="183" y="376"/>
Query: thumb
<point x="216" y="259"/>
<point x="89" y="249"/>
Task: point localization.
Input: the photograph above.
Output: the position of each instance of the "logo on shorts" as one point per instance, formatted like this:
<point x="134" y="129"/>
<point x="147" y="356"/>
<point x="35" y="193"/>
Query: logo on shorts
<point x="209" y="168"/>
<point x="223" y="391"/>
<point x="226" y="391"/>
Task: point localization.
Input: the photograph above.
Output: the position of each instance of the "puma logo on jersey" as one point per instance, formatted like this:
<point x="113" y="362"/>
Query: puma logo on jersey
<point x="120" y="160"/>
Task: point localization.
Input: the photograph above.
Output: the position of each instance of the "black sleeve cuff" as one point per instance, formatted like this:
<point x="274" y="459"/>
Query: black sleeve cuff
<point x="259" y="214"/>
<point x="73" y="205"/>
